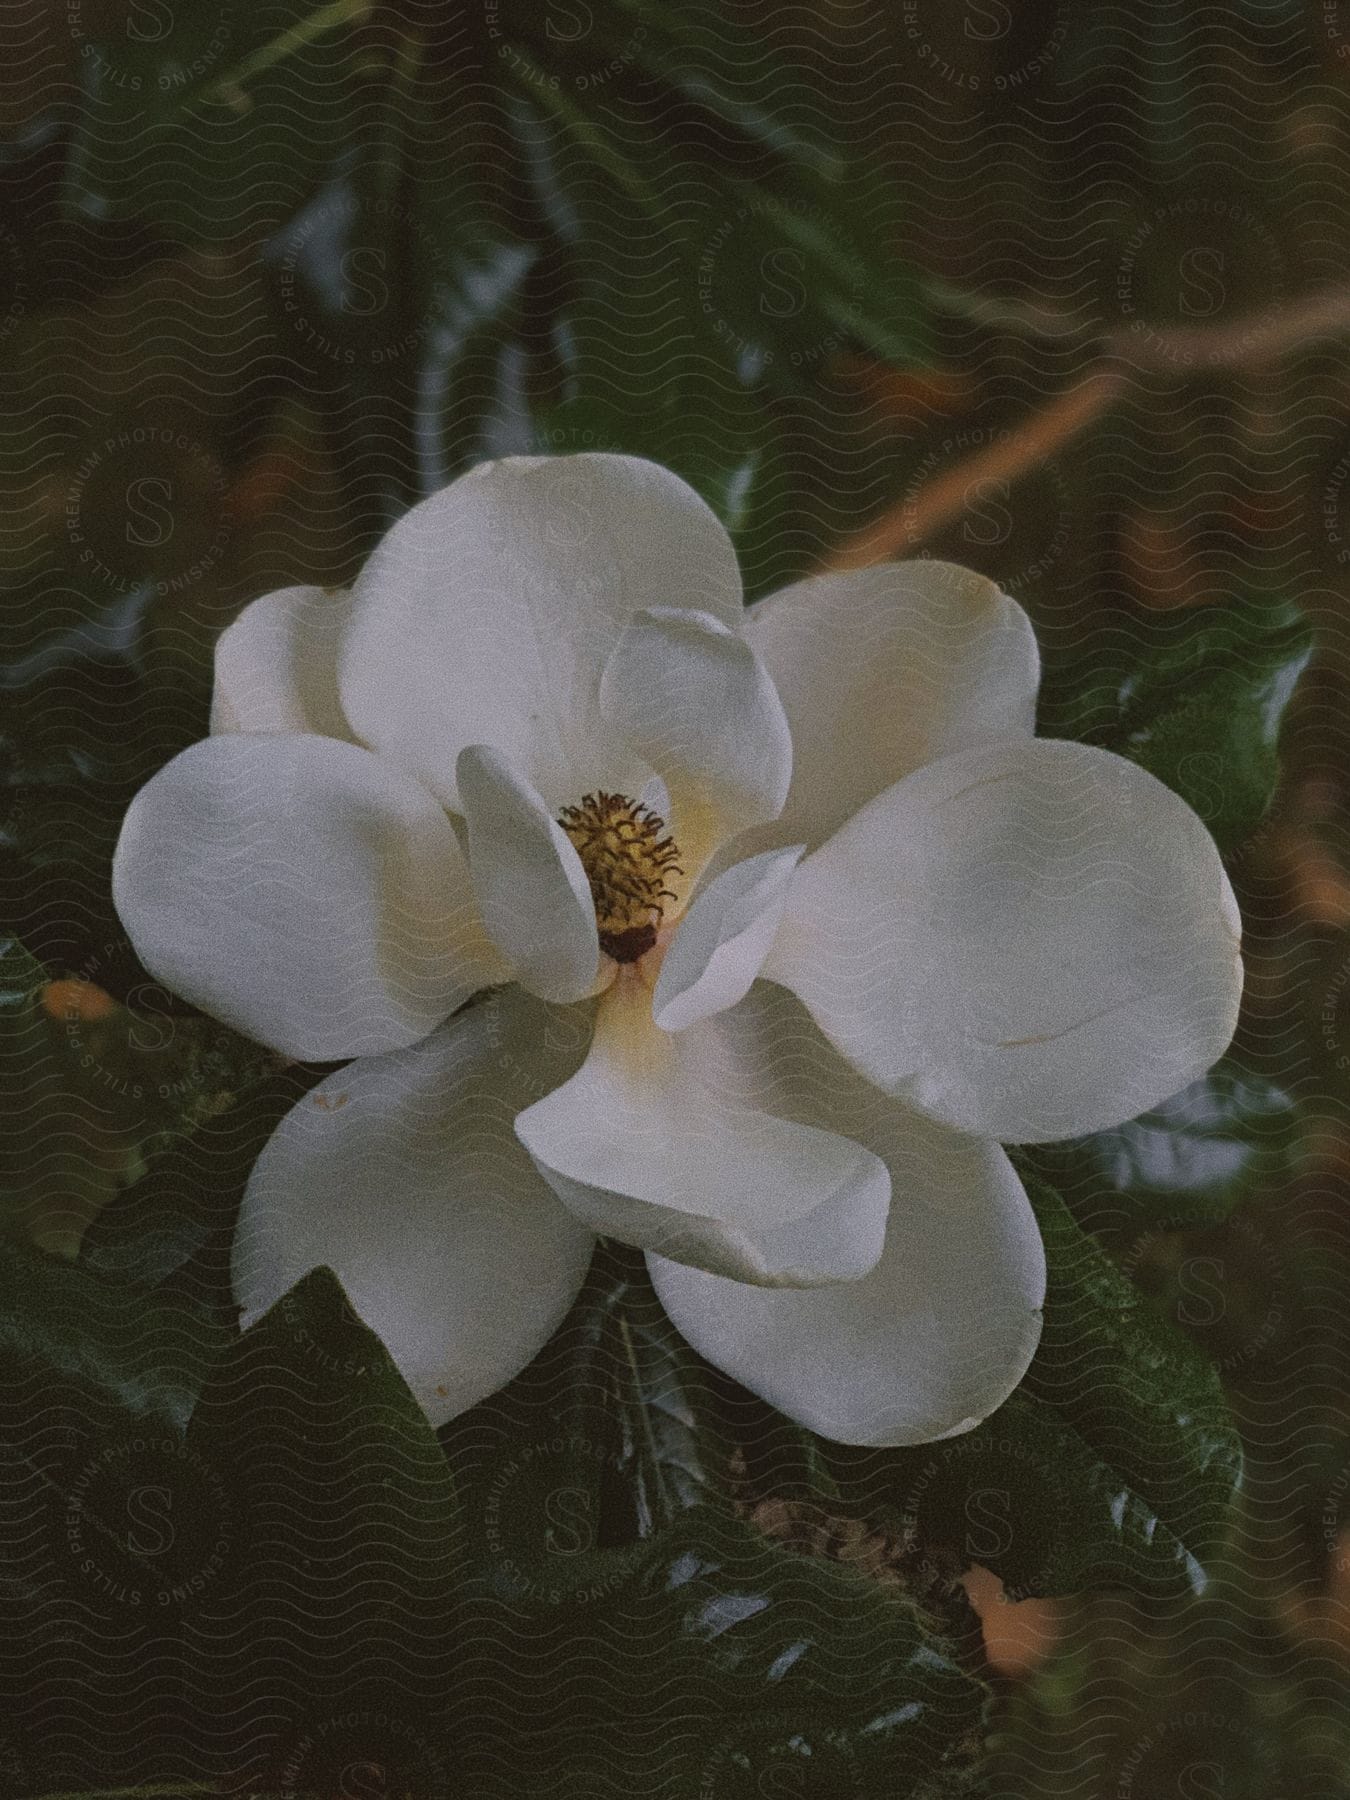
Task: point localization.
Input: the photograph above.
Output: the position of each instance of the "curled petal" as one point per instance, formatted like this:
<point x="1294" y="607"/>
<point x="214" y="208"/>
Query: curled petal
<point x="487" y="613"/>
<point x="940" y="1331"/>
<point x="691" y="698"/>
<point x="883" y="670"/>
<point x="532" y="890"/>
<point x="722" y="940"/>
<point x="276" y="665"/>
<point x="666" y="1142"/>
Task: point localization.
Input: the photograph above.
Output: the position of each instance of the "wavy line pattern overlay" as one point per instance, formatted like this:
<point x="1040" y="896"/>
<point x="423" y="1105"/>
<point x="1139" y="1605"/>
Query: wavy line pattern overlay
<point x="1055" y="289"/>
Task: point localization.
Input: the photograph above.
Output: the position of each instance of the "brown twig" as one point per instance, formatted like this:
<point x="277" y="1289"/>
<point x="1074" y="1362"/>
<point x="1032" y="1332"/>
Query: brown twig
<point x="917" y="518"/>
<point x="1140" y="349"/>
<point x="1249" y="343"/>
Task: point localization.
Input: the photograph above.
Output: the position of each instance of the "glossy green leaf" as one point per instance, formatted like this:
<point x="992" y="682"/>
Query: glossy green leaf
<point x="596" y="1497"/>
<point x="1025" y="1495"/>
<point x="22" y="978"/>
<point x="176" y="1222"/>
<point x="88" y="713"/>
<point x="737" y="66"/>
<point x="670" y="1450"/>
<point x="781" y="1460"/>
<point x="1148" y="1403"/>
<point x="1114" y="1463"/>
<point x="113" y="1525"/>
<point x="593" y="207"/>
<point x="285" y="1563"/>
<point x="707" y="1659"/>
<point x="616" y="308"/>
<point x="1190" y="1161"/>
<point x="350" y="1528"/>
<point x="92" y="1353"/>
<point x="1196" y="697"/>
<point x="609" y="1436"/>
<point x="1169" y="1194"/>
<point x="697" y="1648"/>
<point x="172" y="115"/>
<point x="309" y="1399"/>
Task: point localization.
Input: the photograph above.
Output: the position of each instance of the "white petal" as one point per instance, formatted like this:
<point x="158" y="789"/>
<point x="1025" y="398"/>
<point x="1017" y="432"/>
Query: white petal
<point x="926" y="1345"/>
<point x="276" y="665"/>
<point x="664" y="1142"/>
<point x="304" y="891"/>
<point x="402" y="1174"/>
<point x="532" y="891"/>
<point x="883" y="670"/>
<point x="694" y="701"/>
<point x="940" y="1332"/>
<point x="1030" y="940"/>
<point x="487" y="613"/>
<point x="723" y="939"/>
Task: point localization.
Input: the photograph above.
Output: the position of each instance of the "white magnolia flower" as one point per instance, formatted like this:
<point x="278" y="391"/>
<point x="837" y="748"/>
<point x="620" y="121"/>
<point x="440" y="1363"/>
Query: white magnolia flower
<point x="779" y="922"/>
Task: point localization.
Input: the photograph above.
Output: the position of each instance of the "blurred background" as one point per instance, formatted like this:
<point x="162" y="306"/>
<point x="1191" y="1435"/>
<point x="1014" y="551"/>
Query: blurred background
<point x="1059" y="289"/>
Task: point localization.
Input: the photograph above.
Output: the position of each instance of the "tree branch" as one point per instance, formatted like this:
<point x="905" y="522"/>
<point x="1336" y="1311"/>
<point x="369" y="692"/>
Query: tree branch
<point x="1120" y="361"/>
<point x="1248" y="343"/>
<point x="911" y="522"/>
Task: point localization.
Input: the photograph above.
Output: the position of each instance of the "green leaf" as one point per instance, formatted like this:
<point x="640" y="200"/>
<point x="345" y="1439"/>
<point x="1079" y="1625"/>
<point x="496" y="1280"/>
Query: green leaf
<point x="1190" y="1161"/>
<point x="111" y="1523"/>
<point x="1196" y="697"/>
<point x="730" y="65"/>
<point x="501" y="261"/>
<point x="22" y="978"/>
<point x="111" y="1520"/>
<point x="350" y="1528"/>
<point x="670" y="1450"/>
<point x="354" y="1536"/>
<point x="606" y="1438"/>
<point x="175" y="1224"/>
<point x="312" y="1408"/>
<point x="596" y="1497"/>
<point x="86" y="1349"/>
<point x="805" y="279"/>
<point x="708" y="1660"/>
<point x="618" y="302"/>
<point x="291" y="1555"/>
<point x="769" y="276"/>
<point x="782" y="1460"/>
<point x="1114" y="1463"/>
<point x="105" y="674"/>
<point x="716" y="273"/>
<point x="172" y="118"/>
<point x="1148" y="1403"/>
<point x="1025" y="1495"/>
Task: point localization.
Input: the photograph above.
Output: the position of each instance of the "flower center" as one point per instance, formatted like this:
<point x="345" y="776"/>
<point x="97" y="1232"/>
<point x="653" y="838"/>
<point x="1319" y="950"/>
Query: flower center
<point x="628" y="860"/>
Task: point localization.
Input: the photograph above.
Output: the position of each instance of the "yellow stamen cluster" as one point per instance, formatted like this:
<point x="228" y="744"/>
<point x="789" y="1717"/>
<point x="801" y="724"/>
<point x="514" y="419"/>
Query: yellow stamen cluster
<point x="628" y="861"/>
